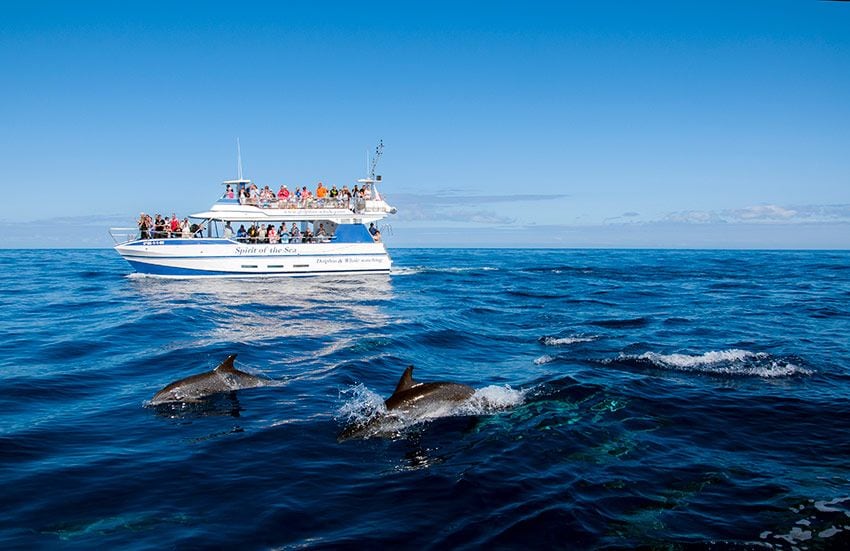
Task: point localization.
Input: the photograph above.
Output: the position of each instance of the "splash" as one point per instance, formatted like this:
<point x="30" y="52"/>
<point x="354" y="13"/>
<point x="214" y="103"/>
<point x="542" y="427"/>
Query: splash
<point x="491" y="399"/>
<point x="365" y="415"/>
<point x="563" y="341"/>
<point x="723" y="362"/>
<point x="361" y="405"/>
<point x="544" y="359"/>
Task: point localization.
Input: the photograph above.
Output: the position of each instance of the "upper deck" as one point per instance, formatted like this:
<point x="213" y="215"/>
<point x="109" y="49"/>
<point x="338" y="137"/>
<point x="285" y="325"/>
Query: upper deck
<point x="243" y="201"/>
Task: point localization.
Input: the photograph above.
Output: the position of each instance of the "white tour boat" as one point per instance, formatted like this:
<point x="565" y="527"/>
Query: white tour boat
<point x="329" y="235"/>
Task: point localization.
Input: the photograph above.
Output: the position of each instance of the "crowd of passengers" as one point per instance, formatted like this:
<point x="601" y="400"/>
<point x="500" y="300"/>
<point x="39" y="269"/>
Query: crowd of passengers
<point x="300" y="198"/>
<point x="269" y="234"/>
<point x="164" y="228"/>
<point x="173" y="227"/>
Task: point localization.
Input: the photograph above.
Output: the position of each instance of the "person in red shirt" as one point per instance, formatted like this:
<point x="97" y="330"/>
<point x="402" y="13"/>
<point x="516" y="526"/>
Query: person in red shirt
<point x="175" y="224"/>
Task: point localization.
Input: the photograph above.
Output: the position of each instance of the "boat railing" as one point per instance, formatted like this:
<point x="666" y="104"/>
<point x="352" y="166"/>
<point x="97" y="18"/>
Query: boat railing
<point x="122" y="235"/>
<point x="285" y="241"/>
<point x="356" y="205"/>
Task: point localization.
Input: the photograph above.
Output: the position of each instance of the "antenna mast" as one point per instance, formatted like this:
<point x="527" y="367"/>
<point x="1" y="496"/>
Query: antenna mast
<point x="378" y="151"/>
<point x="238" y="160"/>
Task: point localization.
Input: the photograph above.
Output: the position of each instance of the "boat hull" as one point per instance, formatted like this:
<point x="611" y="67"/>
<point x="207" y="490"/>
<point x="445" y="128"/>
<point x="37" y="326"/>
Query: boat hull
<point x="186" y="258"/>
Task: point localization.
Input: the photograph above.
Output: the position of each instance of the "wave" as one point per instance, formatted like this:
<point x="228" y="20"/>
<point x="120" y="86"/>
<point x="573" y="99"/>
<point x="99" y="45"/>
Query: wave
<point x="583" y="270"/>
<point x="562" y="341"/>
<point x="532" y="294"/>
<point x="414" y="270"/>
<point x="544" y="359"/>
<point x="406" y="271"/>
<point x="621" y="323"/>
<point x="723" y="362"/>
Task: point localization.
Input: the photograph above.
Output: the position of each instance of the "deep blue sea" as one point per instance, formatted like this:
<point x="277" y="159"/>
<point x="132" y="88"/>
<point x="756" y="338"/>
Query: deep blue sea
<point x="624" y="398"/>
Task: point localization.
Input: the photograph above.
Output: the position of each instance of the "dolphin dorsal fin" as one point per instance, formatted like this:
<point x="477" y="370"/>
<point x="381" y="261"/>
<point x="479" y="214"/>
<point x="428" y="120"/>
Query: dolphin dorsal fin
<point x="227" y="365"/>
<point x="406" y="380"/>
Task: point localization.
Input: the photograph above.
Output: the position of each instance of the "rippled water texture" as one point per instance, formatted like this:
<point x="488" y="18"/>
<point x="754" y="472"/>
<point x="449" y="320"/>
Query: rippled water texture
<point x="622" y="398"/>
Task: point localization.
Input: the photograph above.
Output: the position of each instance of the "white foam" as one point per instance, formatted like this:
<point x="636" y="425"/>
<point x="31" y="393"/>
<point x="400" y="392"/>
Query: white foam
<point x="406" y="271"/>
<point x="573" y="339"/>
<point x="796" y="535"/>
<point x="363" y="405"/>
<point x="826" y="506"/>
<point x="459" y="270"/>
<point x="544" y="359"/>
<point x="491" y="399"/>
<point x="728" y="362"/>
<point x="829" y="532"/>
<point x="413" y="270"/>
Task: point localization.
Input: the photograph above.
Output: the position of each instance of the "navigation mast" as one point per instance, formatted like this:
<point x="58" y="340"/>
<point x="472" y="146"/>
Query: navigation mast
<point x="238" y="161"/>
<point x="371" y="179"/>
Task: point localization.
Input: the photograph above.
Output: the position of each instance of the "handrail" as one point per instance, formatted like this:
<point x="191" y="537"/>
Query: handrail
<point x="133" y="234"/>
<point x="312" y="203"/>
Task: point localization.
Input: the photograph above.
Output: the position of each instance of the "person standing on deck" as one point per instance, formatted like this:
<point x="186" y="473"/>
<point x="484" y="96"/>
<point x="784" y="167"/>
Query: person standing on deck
<point x="144" y="228"/>
<point x="175" y="225"/>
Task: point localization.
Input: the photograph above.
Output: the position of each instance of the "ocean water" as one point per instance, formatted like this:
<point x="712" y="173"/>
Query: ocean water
<point x="623" y="398"/>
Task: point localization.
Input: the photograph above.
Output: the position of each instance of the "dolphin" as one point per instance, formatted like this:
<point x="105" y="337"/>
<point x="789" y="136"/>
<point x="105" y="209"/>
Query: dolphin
<point x="412" y="396"/>
<point x="412" y="399"/>
<point x="224" y="378"/>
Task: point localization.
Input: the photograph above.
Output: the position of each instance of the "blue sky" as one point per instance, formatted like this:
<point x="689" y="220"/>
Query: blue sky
<point x="566" y="124"/>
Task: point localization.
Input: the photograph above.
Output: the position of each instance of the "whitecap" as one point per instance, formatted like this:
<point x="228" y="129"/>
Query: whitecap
<point x="726" y="362"/>
<point x="708" y="358"/>
<point x="405" y="271"/>
<point x="544" y="359"/>
<point x="563" y="341"/>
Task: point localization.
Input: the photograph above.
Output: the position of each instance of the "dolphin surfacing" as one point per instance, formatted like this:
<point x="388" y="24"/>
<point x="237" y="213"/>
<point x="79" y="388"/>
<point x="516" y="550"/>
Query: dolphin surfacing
<point x="224" y="378"/>
<point x="412" y="400"/>
<point x="410" y="395"/>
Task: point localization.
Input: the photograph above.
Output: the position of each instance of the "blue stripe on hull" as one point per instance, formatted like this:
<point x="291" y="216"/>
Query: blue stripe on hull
<point x="154" y="269"/>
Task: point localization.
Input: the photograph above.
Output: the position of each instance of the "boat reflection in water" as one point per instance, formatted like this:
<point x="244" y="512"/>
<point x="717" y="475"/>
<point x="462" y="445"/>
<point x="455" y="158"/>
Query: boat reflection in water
<point x="251" y="310"/>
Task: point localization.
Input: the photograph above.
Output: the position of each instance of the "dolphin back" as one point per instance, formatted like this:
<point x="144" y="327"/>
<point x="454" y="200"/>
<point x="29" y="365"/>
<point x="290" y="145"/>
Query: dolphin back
<point x="224" y="378"/>
<point x="410" y="393"/>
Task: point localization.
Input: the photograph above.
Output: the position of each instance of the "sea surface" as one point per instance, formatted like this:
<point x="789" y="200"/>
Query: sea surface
<point x="623" y="398"/>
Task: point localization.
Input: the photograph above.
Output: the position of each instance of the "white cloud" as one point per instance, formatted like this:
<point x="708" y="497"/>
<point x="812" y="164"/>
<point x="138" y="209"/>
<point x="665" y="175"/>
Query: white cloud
<point x="764" y="214"/>
<point x="693" y="217"/>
